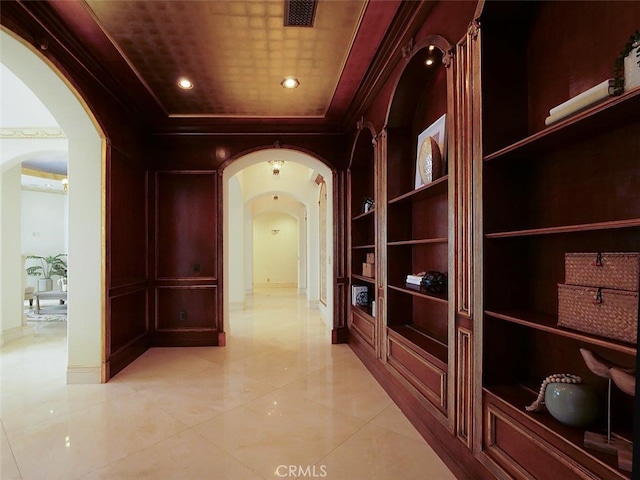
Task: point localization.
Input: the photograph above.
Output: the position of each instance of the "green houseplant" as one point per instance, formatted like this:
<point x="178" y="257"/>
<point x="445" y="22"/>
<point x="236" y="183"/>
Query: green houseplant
<point x="49" y="267"/>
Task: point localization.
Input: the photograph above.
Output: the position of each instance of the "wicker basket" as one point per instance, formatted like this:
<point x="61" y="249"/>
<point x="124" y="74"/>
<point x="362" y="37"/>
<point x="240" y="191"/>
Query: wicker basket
<point x="607" y="270"/>
<point x="599" y="311"/>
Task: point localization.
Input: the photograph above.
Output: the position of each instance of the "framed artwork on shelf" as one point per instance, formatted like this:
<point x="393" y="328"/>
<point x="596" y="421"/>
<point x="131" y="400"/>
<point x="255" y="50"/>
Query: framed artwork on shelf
<point x="431" y="153"/>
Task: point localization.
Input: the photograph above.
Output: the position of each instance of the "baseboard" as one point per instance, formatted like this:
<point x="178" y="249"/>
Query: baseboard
<point x="275" y="285"/>
<point x="84" y="375"/>
<point x="340" y="335"/>
<point x="15" y="333"/>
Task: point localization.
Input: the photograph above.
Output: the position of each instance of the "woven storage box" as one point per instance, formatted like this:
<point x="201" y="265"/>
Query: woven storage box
<point x="599" y="311"/>
<point x="607" y="270"/>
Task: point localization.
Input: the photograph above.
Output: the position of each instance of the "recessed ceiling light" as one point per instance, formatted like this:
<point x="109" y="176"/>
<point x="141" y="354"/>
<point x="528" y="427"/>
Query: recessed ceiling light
<point x="185" y="83"/>
<point x="429" y="61"/>
<point x="290" y="82"/>
<point x="432" y="48"/>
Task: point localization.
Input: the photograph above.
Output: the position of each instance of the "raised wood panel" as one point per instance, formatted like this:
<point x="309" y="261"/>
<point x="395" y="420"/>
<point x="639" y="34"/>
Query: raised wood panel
<point x="527" y="452"/>
<point x="127" y="219"/>
<point x="129" y="318"/>
<point x="464" y="385"/>
<point x="180" y="309"/>
<point x="427" y="378"/>
<point x="186" y="225"/>
<point x="364" y="327"/>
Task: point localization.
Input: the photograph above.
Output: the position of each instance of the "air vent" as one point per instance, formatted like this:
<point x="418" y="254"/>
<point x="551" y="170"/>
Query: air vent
<point x="299" y="13"/>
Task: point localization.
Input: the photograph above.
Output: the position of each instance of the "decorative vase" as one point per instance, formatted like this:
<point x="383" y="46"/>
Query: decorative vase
<point x="45" y="284"/>
<point x="631" y="70"/>
<point x="575" y="405"/>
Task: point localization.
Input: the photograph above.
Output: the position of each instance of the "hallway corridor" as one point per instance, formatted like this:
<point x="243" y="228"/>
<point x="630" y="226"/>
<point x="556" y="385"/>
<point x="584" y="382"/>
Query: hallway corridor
<point x="279" y="401"/>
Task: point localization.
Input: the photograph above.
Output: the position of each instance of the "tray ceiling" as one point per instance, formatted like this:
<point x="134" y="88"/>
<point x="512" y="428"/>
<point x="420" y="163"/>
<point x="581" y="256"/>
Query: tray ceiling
<point x="238" y="52"/>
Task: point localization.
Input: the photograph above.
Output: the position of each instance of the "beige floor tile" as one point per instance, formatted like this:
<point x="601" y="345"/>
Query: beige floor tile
<point x="349" y="389"/>
<point x="279" y="399"/>
<point x="40" y="403"/>
<point x="375" y="453"/>
<point x="393" y="419"/>
<point x="8" y="466"/>
<point x="200" y="397"/>
<point x="279" y="429"/>
<point x="185" y="456"/>
<point x="91" y="438"/>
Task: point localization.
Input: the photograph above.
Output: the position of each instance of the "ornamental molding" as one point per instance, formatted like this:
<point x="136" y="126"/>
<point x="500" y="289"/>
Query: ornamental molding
<point x="32" y="133"/>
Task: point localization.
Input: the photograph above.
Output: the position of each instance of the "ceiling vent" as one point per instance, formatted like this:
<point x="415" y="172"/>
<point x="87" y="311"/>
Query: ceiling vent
<point x="299" y="13"/>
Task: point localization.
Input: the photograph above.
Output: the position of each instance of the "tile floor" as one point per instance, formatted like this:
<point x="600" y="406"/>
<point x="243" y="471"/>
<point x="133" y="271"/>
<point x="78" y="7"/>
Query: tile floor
<point x="278" y="402"/>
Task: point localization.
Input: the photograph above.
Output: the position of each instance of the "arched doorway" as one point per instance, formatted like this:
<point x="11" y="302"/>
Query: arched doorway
<point x="235" y="196"/>
<point x="85" y="335"/>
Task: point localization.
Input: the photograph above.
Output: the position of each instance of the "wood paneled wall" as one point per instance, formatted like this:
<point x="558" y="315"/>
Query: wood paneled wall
<point x="186" y="259"/>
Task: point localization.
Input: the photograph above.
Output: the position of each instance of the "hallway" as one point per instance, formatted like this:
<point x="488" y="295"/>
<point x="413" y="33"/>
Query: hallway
<point x="278" y="402"/>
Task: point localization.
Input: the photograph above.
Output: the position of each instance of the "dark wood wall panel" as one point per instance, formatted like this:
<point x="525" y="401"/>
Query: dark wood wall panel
<point x="128" y="318"/>
<point x="127" y="219"/>
<point x="186" y="217"/>
<point x="186" y="308"/>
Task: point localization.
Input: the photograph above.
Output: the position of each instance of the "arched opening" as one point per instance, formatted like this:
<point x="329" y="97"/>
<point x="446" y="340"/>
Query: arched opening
<point x="249" y="188"/>
<point x="85" y="335"/>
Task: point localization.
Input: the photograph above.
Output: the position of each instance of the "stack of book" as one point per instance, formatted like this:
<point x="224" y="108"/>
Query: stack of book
<point x="415" y="278"/>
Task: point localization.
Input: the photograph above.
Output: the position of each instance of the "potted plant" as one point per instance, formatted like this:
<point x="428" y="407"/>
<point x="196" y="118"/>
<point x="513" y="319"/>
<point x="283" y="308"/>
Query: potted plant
<point x="627" y="65"/>
<point x="49" y="266"/>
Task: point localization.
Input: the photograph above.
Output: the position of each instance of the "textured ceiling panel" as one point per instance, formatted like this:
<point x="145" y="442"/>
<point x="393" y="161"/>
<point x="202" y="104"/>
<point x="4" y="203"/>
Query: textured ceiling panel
<point x="235" y="52"/>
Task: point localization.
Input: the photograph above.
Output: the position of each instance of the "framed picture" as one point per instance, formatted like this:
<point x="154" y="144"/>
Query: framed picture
<point x="431" y="153"/>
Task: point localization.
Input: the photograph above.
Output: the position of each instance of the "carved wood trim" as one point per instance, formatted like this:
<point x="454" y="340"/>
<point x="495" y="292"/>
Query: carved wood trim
<point x="464" y="385"/>
<point x="437" y="398"/>
<point x="504" y="460"/>
<point x="464" y="183"/>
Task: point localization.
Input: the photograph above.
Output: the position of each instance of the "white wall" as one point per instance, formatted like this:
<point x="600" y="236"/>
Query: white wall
<point x="236" y="234"/>
<point x="275" y="256"/>
<point x="10" y="256"/>
<point x="44" y="226"/>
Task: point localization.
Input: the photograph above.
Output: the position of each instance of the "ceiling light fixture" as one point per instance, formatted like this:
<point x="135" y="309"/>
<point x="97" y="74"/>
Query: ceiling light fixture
<point x="276" y="165"/>
<point x="185" y="83"/>
<point x="428" y="62"/>
<point x="290" y="82"/>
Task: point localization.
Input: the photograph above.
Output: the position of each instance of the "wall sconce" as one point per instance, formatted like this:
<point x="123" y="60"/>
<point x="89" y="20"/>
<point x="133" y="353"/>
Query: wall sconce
<point x="65" y="184"/>
<point x="275" y="231"/>
<point x="276" y="165"/>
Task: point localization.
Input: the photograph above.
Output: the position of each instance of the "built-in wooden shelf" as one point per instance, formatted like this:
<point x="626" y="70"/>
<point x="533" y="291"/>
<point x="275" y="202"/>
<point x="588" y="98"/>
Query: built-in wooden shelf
<point x="364" y="215"/>
<point x="549" y="323"/>
<point x="365" y="311"/>
<point x="436" y="350"/>
<point x="420" y="292"/>
<point x="436" y="187"/>
<point x="363" y="247"/>
<point x="362" y="278"/>
<point x="612" y="113"/>
<point x="421" y="241"/>
<point x="631" y="223"/>
<point x="517" y="397"/>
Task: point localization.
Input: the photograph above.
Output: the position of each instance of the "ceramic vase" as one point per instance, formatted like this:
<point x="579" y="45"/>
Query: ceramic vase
<point x="575" y="405"/>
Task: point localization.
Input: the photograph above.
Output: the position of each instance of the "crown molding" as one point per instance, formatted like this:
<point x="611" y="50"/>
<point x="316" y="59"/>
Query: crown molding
<point x="32" y="133"/>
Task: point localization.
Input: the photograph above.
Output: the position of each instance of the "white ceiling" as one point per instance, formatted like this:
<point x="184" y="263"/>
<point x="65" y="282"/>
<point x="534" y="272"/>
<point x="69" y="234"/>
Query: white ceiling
<point x="20" y="108"/>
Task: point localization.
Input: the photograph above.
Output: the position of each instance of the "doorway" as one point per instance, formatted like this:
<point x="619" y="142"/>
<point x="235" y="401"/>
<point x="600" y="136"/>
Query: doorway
<point x="85" y="334"/>
<point x="251" y="188"/>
